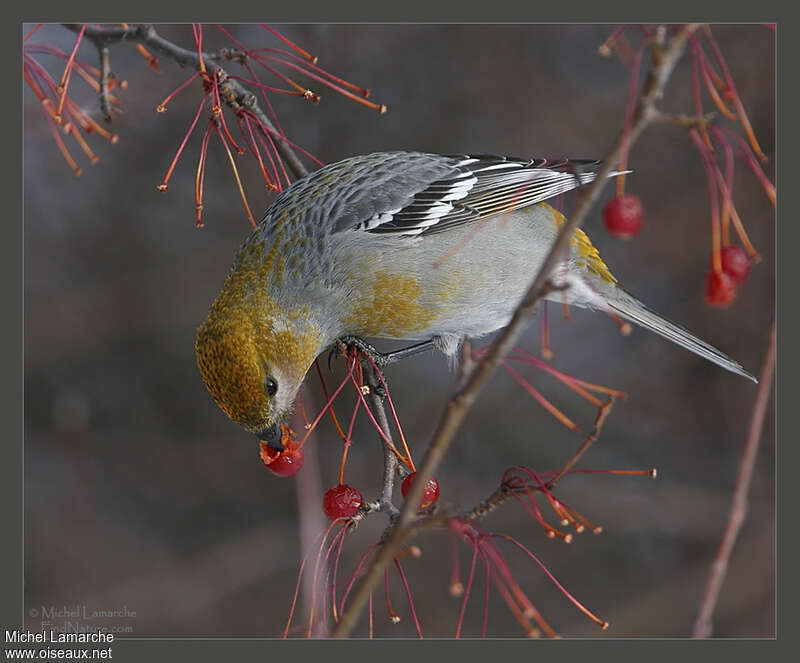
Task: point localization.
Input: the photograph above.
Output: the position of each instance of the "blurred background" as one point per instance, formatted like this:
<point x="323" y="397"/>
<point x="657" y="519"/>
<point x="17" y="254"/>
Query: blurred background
<point x="142" y="498"/>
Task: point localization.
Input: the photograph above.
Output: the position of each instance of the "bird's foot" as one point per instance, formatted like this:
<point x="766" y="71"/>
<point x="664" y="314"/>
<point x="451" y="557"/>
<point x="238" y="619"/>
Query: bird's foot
<point x="344" y="345"/>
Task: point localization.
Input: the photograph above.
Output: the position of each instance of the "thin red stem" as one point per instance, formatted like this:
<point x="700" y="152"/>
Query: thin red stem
<point x="328" y="404"/>
<point x="297" y="585"/>
<point x="201" y="174"/>
<point x="31" y="31"/>
<point x="164" y="184"/>
<point x="394" y="413"/>
<point x="633" y="84"/>
<point x="698" y="101"/>
<point x="737" y="100"/>
<point x="162" y="107"/>
<point x="236" y="176"/>
<point x="381" y="108"/>
<point x="467" y="591"/>
<point x="575" y="602"/>
<point x="65" y="77"/>
<point x="749" y="158"/>
<point x="716" y="259"/>
<point x="409" y="597"/>
<point x="547" y="405"/>
<point x="290" y="43"/>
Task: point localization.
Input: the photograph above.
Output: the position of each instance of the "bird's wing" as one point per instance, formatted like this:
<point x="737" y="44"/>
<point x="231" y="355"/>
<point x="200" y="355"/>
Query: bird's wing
<point x="412" y="193"/>
<point x="478" y="187"/>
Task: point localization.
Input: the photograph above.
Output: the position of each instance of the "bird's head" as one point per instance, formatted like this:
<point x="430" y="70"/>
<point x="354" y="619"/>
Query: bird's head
<point x="253" y="363"/>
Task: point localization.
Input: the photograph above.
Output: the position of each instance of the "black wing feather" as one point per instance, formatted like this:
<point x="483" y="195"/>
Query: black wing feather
<point x="482" y="186"/>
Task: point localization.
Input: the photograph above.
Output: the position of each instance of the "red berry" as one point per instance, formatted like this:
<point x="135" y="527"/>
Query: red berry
<point x="735" y="262"/>
<point x="623" y="215"/>
<point x="283" y="463"/>
<point x="720" y="289"/>
<point x="342" y="501"/>
<point x="429" y="495"/>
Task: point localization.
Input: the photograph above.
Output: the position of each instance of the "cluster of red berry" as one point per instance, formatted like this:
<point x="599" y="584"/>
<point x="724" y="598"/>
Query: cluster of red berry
<point x="721" y="284"/>
<point x="623" y="218"/>
<point x="344" y="501"/>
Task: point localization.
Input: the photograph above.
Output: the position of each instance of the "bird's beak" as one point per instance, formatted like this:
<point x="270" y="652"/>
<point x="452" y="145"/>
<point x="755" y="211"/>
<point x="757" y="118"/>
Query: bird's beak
<point x="272" y="436"/>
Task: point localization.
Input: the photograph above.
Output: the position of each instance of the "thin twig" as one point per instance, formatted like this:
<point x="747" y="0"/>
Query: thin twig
<point x="685" y="121"/>
<point x="389" y="457"/>
<point x="663" y="61"/>
<point x="591" y="438"/>
<point x="105" y="73"/>
<point x="466" y="362"/>
<point x="703" y="625"/>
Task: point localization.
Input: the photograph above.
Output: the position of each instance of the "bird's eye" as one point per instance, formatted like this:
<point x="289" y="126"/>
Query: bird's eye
<point x="271" y="385"/>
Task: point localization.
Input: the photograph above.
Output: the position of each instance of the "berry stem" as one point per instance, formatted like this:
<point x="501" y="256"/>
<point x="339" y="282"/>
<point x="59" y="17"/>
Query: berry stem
<point x="749" y="158"/>
<point x="197" y="31"/>
<point x="65" y="77"/>
<point x="568" y="380"/>
<point x="163" y="186"/>
<point x="467" y="591"/>
<point x="578" y="604"/>
<point x="328" y="404"/>
<point x="31" y="31"/>
<point x="352" y="86"/>
<point x="393" y="616"/>
<point x="311" y="58"/>
<point x="236" y="175"/>
<point x="297" y="585"/>
<point x="354" y="576"/>
<point x="199" y="180"/>
<point x="698" y="101"/>
<point x="737" y="101"/>
<point x="379" y="373"/>
<point x="253" y="145"/>
<point x="378" y="427"/>
<point x="633" y="84"/>
<point x="546" y="351"/>
<point x="63" y="148"/>
<point x="547" y="405"/>
<point x="381" y="108"/>
<point x="162" y="107"/>
<point x="347" y="440"/>
<point x="707" y="71"/>
<point x="716" y="258"/>
<point x="408" y="596"/>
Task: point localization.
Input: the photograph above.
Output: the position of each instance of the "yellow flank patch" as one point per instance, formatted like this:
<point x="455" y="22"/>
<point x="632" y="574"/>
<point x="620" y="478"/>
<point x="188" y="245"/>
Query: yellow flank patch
<point x="394" y="310"/>
<point x="587" y="255"/>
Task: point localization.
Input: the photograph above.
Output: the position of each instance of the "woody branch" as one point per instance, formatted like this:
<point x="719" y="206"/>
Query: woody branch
<point x="703" y="623"/>
<point x="232" y="91"/>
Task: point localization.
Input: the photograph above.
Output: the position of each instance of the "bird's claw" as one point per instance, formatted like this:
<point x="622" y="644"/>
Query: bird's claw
<point x="343" y="346"/>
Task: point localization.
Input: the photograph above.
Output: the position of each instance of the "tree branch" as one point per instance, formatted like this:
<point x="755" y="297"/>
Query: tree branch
<point x="702" y="625"/>
<point x="663" y="61"/>
<point x="103" y="36"/>
<point x="389" y="458"/>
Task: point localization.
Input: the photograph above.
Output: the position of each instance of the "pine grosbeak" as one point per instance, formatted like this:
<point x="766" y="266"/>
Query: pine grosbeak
<point x="397" y="245"/>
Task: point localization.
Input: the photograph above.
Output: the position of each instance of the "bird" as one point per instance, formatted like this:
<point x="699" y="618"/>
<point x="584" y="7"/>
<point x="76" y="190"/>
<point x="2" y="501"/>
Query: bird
<point x="398" y="245"/>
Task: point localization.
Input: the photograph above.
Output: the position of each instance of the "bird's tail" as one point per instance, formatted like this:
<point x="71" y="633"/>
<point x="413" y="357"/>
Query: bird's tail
<point x="633" y="310"/>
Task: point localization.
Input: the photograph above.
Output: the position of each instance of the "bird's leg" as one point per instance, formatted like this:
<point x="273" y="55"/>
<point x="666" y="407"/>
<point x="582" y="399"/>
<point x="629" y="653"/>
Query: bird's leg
<point x="381" y="359"/>
<point x="405" y="353"/>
